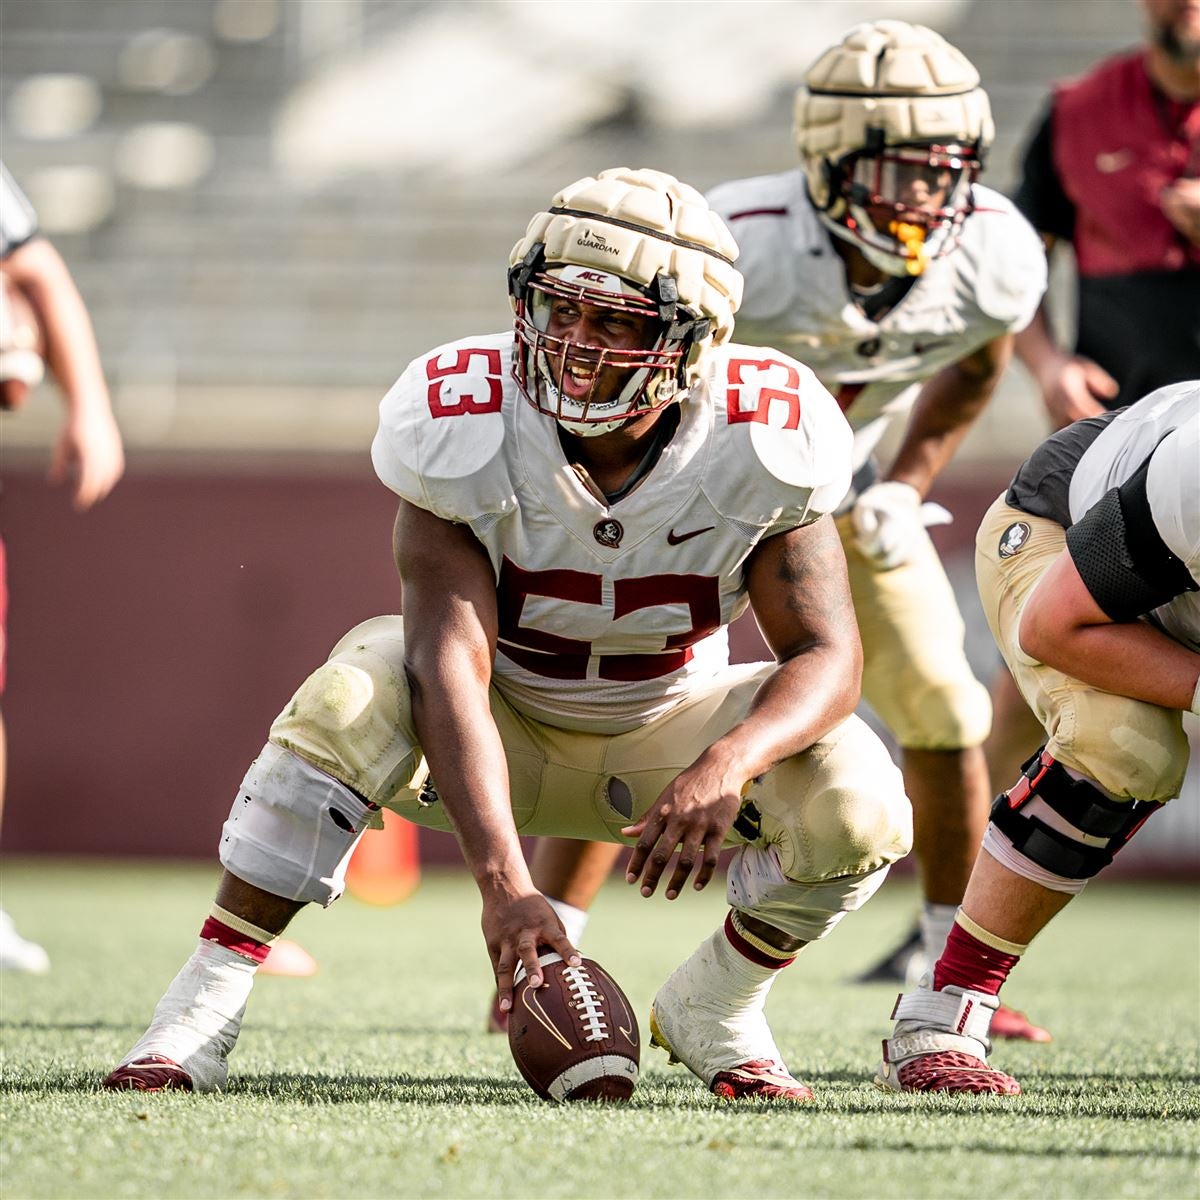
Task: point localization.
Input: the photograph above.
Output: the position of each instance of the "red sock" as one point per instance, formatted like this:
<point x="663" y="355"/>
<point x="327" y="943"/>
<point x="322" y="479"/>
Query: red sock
<point x="969" y="963"/>
<point x="240" y="943"/>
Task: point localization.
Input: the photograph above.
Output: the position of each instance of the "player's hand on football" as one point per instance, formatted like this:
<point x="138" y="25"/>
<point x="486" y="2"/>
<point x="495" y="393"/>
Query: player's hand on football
<point x="1074" y="387"/>
<point x="688" y="822"/>
<point x="516" y="930"/>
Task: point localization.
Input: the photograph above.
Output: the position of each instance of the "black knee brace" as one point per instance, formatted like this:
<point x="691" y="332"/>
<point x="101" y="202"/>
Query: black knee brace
<point x="1081" y="805"/>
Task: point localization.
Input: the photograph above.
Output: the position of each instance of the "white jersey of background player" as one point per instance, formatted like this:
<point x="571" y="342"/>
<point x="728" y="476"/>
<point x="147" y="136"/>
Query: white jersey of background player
<point x="884" y="268"/>
<point x="583" y="507"/>
<point x="986" y="283"/>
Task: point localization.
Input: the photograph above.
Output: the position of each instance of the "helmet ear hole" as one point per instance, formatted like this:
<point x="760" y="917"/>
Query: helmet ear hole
<point x="520" y="273"/>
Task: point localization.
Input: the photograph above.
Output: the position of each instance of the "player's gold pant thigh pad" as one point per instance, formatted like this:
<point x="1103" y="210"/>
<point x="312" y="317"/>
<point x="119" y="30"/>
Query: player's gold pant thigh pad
<point x="1133" y="750"/>
<point x="915" y="670"/>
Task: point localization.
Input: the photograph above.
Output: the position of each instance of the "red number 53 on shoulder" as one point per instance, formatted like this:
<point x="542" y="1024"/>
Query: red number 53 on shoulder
<point x="466" y="396"/>
<point x="755" y="382"/>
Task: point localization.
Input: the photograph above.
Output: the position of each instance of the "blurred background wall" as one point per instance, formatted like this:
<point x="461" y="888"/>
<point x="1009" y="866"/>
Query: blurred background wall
<point x="270" y="206"/>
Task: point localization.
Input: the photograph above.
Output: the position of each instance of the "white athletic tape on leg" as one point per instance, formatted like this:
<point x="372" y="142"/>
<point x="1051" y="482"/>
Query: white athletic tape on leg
<point x="292" y="828"/>
<point x="196" y="1023"/>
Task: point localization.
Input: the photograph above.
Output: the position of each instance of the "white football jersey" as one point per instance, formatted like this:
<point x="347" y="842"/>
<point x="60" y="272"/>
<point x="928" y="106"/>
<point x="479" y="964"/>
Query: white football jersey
<point x="1164" y="427"/>
<point x="611" y="612"/>
<point x="798" y="300"/>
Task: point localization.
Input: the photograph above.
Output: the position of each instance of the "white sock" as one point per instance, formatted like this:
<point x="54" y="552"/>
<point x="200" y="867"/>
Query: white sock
<point x="574" y="920"/>
<point x="936" y="923"/>
<point x="196" y="1023"/>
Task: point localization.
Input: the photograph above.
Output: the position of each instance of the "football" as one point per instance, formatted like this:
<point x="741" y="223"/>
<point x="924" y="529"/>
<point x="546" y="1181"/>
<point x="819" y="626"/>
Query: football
<point x="575" y="1038"/>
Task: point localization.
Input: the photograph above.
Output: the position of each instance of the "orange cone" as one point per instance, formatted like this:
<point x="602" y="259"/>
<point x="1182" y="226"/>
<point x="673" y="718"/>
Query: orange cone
<point x="386" y="866"/>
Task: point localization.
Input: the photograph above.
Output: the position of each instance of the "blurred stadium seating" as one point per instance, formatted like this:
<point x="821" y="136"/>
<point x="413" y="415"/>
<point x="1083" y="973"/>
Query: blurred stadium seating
<point x="270" y="206"/>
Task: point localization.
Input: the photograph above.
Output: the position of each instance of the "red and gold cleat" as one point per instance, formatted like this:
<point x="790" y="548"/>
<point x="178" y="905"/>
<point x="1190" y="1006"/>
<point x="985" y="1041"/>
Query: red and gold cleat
<point x="760" y="1079"/>
<point x="153" y="1073"/>
<point x="1016" y="1026"/>
<point x="947" y="1071"/>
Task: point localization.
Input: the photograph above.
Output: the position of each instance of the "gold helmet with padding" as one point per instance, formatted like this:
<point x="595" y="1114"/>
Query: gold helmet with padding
<point x="893" y="126"/>
<point x="632" y="241"/>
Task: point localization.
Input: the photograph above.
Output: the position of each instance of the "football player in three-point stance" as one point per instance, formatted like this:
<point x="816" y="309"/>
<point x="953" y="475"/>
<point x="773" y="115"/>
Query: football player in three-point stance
<point x="586" y="502"/>
<point x="1089" y="572"/>
<point x="883" y="266"/>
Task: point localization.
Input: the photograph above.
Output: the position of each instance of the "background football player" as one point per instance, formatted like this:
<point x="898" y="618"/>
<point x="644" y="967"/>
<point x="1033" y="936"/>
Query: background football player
<point x="586" y="503"/>
<point x="885" y="267"/>
<point x="1089" y="572"/>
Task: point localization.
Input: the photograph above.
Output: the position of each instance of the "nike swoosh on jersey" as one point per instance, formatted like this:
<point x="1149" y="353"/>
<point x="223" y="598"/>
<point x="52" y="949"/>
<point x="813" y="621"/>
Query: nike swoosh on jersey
<point x="673" y="538"/>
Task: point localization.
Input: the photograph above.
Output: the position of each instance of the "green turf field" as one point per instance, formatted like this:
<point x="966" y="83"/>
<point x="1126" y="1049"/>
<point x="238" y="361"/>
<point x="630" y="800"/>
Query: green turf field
<point x="375" y="1077"/>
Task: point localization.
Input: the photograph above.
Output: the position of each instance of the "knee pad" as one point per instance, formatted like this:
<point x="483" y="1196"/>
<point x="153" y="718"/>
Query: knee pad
<point x="756" y="885"/>
<point x="1067" y="827"/>
<point x="292" y="828"/>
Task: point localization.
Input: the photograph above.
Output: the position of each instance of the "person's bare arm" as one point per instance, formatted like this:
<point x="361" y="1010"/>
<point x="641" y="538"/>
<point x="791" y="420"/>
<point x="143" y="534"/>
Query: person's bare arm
<point x="1072" y="386"/>
<point x="945" y="409"/>
<point x="450" y="622"/>
<point x="801" y="599"/>
<point x="1063" y="627"/>
<point x="88" y="449"/>
<point x="887" y="516"/>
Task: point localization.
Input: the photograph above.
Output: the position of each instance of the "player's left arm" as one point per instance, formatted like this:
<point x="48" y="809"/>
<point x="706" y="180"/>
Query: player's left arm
<point x="945" y="410"/>
<point x="801" y="599"/>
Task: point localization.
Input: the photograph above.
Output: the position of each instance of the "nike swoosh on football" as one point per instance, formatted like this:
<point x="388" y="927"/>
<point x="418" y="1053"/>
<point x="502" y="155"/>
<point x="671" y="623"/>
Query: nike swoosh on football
<point x="673" y="538"/>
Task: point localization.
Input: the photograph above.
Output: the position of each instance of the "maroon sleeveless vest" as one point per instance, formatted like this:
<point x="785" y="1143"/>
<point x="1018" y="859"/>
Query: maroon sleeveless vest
<point x="1117" y="143"/>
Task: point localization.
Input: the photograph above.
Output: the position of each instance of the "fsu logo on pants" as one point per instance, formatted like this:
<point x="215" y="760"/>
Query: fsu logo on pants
<point x="1014" y="539"/>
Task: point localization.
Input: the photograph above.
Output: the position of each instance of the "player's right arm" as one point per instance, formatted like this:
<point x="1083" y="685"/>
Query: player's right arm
<point x="1072" y="386"/>
<point x="450" y="623"/>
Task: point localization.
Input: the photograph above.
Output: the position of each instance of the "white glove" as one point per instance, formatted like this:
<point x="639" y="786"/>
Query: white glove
<point x="889" y="519"/>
